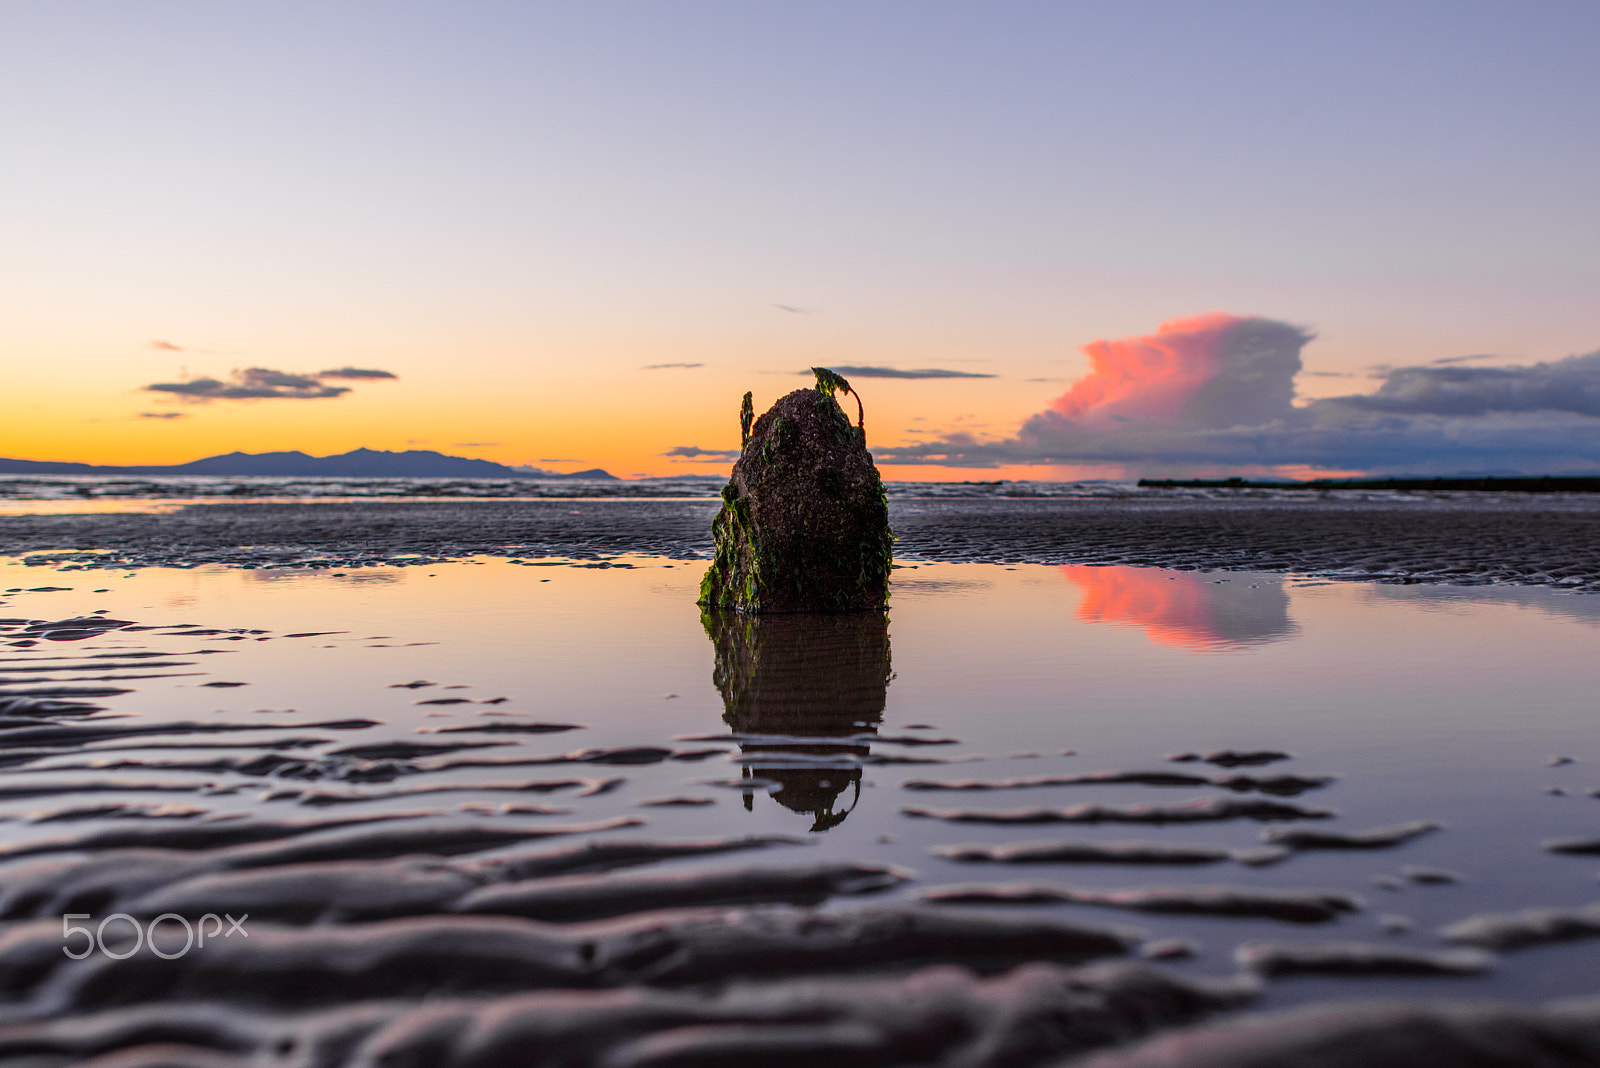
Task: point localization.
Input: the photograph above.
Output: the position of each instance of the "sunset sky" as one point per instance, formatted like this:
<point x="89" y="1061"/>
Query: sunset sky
<point x="1172" y="238"/>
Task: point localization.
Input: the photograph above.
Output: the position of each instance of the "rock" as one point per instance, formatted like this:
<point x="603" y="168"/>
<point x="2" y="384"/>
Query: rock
<point x="804" y="525"/>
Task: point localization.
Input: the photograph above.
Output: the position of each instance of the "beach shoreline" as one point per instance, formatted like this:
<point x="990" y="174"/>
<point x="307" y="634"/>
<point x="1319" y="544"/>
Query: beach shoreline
<point x="1500" y="539"/>
<point x="509" y="791"/>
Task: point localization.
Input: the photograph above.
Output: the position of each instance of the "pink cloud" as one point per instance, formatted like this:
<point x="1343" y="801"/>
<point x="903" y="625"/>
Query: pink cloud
<point x="1214" y="394"/>
<point x="1156" y="376"/>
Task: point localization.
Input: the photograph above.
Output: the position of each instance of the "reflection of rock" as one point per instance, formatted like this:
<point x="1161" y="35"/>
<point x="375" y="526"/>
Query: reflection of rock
<point x="807" y="676"/>
<point x="1191" y="611"/>
<point x="804" y="525"/>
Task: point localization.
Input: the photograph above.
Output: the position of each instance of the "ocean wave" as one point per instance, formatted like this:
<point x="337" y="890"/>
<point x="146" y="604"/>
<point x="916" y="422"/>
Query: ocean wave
<point x="88" y="489"/>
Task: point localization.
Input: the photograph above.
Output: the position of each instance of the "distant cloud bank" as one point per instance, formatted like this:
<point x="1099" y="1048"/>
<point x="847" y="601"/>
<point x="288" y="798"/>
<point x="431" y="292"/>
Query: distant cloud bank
<point x="1216" y="391"/>
<point x="695" y="454"/>
<point x="355" y="373"/>
<point x="262" y="383"/>
<point x="1570" y="385"/>
<point x="893" y="372"/>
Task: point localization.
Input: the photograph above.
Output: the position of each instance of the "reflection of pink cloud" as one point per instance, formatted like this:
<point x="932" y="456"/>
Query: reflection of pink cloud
<point x="1173" y="609"/>
<point x="1150" y="377"/>
<point x="1196" y="612"/>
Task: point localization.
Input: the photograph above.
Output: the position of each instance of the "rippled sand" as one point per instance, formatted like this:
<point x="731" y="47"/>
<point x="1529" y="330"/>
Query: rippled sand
<point x="1460" y="539"/>
<point x="486" y="813"/>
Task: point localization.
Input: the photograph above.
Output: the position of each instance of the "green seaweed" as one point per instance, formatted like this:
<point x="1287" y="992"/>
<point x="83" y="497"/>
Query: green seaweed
<point x="829" y="381"/>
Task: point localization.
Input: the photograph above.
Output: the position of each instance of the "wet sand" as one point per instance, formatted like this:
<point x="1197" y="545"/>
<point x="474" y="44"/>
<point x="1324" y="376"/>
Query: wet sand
<point x="1457" y="539"/>
<point x="451" y="876"/>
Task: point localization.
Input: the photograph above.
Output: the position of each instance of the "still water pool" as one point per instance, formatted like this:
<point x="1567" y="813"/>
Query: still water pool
<point x="991" y="706"/>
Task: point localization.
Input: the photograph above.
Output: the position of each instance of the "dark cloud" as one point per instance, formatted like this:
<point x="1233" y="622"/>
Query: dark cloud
<point x="670" y="366"/>
<point x="1215" y="393"/>
<point x="165" y="346"/>
<point x="356" y="373"/>
<point x="1569" y="385"/>
<point x="695" y="454"/>
<point x="252" y="383"/>
<point x="1465" y="359"/>
<point x="263" y="383"/>
<point x="1418" y="445"/>
<point x="892" y="372"/>
<point x="792" y="310"/>
<point x="163" y="415"/>
<point x="474" y="444"/>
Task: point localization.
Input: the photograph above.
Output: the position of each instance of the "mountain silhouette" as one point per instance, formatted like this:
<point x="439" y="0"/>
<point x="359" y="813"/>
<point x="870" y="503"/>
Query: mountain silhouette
<point x="359" y="463"/>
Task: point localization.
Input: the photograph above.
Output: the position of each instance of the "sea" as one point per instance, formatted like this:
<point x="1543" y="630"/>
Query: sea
<point x="60" y="493"/>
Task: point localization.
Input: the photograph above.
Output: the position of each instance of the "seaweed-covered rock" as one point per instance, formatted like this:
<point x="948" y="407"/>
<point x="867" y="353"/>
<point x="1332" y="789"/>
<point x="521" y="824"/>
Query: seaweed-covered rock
<point x="804" y="525"/>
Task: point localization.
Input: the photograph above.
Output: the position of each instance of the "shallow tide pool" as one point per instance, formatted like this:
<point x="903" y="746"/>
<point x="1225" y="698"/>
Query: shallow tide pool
<point x="888" y="740"/>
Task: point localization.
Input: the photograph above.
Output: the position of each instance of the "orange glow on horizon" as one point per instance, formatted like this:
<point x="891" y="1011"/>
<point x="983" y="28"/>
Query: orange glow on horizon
<point x="621" y="405"/>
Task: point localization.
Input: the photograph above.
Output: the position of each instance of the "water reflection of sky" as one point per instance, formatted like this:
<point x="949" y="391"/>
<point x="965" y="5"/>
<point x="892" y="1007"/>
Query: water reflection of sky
<point x="1426" y="702"/>
<point x="1201" y="612"/>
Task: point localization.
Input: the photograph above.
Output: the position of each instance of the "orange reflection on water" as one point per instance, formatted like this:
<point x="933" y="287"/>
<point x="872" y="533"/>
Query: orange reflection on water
<point x="1195" y="612"/>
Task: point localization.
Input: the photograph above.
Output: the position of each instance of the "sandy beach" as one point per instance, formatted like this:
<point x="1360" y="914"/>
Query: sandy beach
<point x="477" y="778"/>
<point x="1461" y="539"/>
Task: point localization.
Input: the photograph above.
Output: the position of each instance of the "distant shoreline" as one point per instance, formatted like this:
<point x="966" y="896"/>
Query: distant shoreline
<point x="1488" y="483"/>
